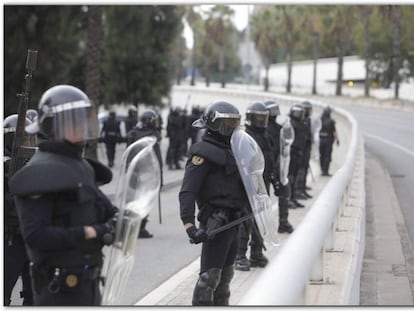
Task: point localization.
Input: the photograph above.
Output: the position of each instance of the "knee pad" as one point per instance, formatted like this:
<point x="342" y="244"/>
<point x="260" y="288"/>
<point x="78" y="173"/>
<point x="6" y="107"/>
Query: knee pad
<point x="207" y="283"/>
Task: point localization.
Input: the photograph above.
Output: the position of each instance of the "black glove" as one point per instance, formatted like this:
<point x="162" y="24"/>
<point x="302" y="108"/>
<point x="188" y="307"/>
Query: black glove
<point x="196" y="235"/>
<point x="106" y="232"/>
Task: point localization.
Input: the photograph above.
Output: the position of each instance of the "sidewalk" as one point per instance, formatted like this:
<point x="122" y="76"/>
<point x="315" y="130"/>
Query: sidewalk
<point x="177" y="291"/>
<point x="388" y="267"/>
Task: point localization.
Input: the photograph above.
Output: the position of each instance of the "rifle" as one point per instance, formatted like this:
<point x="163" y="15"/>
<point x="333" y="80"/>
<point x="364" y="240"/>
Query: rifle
<point x="15" y="164"/>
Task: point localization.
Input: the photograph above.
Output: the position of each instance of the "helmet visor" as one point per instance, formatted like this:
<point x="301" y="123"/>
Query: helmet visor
<point x="228" y="125"/>
<point x="75" y="121"/>
<point x="259" y="119"/>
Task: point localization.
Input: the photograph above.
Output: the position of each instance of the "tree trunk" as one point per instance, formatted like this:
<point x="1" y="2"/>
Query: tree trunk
<point x="289" y="72"/>
<point x="93" y="59"/>
<point x="315" y="60"/>
<point x="221" y="67"/>
<point x="395" y="16"/>
<point x="367" y="47"/>
<point x="193" y="61"/>
<point x="339" y="76"/>
<point x="266" y="79"/>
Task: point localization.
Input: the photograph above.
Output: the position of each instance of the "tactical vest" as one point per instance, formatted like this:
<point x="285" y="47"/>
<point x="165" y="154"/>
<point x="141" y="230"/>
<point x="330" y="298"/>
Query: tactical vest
<point x="71" y="186"/>
<point x="223" y="185"/>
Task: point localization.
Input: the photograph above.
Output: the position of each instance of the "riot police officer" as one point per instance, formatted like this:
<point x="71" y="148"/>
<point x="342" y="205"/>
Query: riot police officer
<point x="212" y="180"/>
<point x="283" y="192"/>
<point x="111" y="133"/>
<point x="147" y="126"/>
<point x="304" y="165"/>
<point x="327" y="137"/>
<point x="257" y="118"/>
<point x="16" y="262"/>
<point x="176" y="135"/>
<point x="65" y="219"/>
<point x="132" y="119"/>
<point x="297" y="115"/>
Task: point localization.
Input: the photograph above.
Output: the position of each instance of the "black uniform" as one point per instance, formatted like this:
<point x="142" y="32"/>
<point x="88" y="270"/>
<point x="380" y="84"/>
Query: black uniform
<point x="176" y="135"/>
<point x="212" y="180"/>
<point x="112" y="135"/>
<point x="131" y="120"/>
<point x="273" y="130"/>
<point x="56" y="197"/>
<point x="304" y="165"/>
<point x="132" y="136"/>
<point x="296" y="155"/>
<point x="16" y="262"/>
<point x="249" y="228"/>
<point x="326" y="140"/>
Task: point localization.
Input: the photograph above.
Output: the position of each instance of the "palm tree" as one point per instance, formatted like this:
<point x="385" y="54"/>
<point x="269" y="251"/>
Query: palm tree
<point x="365" y="12"/>
<point x="194" y="20"/>
<point x="220" y="29"/>
<point x="339" y="22"/>
<point x="265" y="38"/>
<point x="292" y="22"/>
<point x="395" y="16"/>
<point x="93" y="62"/>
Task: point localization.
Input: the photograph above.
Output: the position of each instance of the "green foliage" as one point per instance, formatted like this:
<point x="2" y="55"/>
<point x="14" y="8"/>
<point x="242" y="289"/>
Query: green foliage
<point x="136" y="61"/>
<point x="57" y="32"/>
<point x="136" y="58"/>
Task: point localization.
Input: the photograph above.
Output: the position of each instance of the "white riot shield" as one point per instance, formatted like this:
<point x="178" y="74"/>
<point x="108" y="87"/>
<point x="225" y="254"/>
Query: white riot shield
<point x="250" y="162"/>
<point x="287" y="136"/>
<point x="137" y="193"/>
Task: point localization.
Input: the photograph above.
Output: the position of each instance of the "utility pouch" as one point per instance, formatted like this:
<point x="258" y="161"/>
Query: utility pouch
<point x="204" y="213"/>
<point x="217" y="219"/>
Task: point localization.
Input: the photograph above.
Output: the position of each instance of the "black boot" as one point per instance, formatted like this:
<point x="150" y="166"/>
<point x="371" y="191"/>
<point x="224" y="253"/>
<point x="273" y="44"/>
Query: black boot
<point x="242" y="264"/>
<point x="258" y="260"/>
<point x="285" y="227"/>
<point x="143" y="232"/>
<point x="206" y="285"/>
<point x="222" y="293"/>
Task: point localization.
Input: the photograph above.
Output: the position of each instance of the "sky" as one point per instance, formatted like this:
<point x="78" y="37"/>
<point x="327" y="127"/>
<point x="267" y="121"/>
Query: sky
<point x="240" y="20"/>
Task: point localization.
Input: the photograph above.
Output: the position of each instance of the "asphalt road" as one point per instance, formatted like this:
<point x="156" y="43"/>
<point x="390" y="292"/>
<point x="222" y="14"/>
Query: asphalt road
<point x="389" y="136"/>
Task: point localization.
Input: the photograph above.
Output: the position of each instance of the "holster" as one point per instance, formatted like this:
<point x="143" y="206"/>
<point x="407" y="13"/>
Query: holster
<point x="217" y="219"/>
<point x="204" y="213"/>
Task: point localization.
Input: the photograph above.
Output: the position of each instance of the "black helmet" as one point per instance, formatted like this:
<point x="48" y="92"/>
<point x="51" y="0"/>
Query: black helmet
<point x="272" y="107"/>
<point x="66" y="113"/>
<point x="308" y="108"/>
<point x="257" y="115"/>
<point x="297" y="112"/>
<point x="9" y="130"/>
<point x="148" y="120"/>
<point x="31" y="114"/>
<point x="326" y="112"/>
<point x="219" y="116"/>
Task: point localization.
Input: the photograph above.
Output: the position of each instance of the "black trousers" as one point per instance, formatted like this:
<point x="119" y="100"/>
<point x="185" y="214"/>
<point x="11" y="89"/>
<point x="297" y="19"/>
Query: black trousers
<point x="325" y="154"/>
<point x="110" y="150"/>
<point x="16" y="263"/>
<point x="220" y="251"/>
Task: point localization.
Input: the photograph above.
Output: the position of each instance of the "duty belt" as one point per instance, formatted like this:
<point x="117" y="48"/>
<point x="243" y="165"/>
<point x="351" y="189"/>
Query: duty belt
<point x="61" y="277"/>
<point x="324" y="134"/>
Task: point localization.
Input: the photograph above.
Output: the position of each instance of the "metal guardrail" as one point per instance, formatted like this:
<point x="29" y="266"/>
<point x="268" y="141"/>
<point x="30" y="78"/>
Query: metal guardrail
<point x="301" y="261"/>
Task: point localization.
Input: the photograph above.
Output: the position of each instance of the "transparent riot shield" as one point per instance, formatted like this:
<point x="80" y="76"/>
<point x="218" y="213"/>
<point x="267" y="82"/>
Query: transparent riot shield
<point x="316" y="126"/>
<point x="287" y="135"/>
<point x="137" y="193"/>
<point x="250" y="162"/>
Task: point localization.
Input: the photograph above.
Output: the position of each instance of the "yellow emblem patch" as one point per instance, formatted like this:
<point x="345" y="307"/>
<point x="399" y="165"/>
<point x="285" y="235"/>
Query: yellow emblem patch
<point x="71" y="280"/>
<point x="197" y="160"/>
<point x="36" y="196"/>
